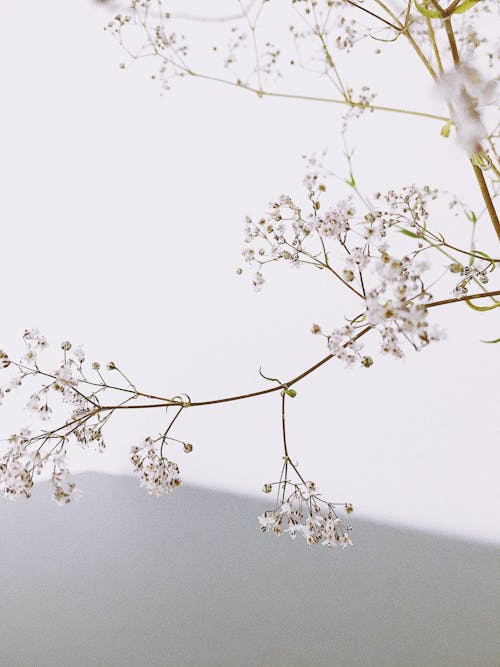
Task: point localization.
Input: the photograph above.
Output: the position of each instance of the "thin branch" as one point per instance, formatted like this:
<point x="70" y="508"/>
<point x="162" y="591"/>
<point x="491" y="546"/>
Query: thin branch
<point x="363" y="9"/>
<point x="262" y="392"/>
<point x="311" y="98"/>
<point x="301" y="376"/>
<point x="467" y="297"/>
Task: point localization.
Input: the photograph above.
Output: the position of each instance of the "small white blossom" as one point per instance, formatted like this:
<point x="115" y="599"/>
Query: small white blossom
<point x="467" y="91"/>
<point x="156" y="473"/>
<point x="65" y="377"/>
<point x="64" y="490"/>
<point x="79" y="354"/>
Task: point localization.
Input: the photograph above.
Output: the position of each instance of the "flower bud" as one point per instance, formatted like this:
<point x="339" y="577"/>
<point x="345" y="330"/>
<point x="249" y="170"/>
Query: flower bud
<point x="456" y="267"/>
<point x="445" y="130"/>
<point x="348" y="275"/>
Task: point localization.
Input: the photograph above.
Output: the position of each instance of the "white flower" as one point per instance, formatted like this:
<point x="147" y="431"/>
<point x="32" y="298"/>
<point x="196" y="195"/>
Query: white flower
<point x="35" y="337"/>
<point x="65" y="377"/>
<point x="258" y="281"/>
<point x="268" y="520"/>
<point x="358" y="258"/>
<point x="33" y="405"/>
<point x="16" y="479"/>
<point x="79" y="354"/>
<point x="465" y="89"/>
<point x="285" y="508"/>
<point x="64" y="491"/>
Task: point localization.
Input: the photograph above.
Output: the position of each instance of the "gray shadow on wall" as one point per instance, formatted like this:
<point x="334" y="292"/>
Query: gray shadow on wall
<point x="121" y="578"/>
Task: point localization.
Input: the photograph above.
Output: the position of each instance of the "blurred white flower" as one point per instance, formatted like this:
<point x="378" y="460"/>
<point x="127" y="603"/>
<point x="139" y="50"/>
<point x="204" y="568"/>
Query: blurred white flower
<point x="467" y="91"/>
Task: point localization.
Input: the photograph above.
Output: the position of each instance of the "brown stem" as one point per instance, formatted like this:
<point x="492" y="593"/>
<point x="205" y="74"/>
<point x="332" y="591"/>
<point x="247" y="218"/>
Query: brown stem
<point x="298" y="378"/>
<point x="451" y="8"/>
<point x="363" y="9"/>
<point x="166" y="402"/>
<point x="483" y="186"/>
<point x="467" y="297"/>
<point x="327" y="266"/>
<point x="452" y="41"/>
<point x="283" y="427"/>
<point x="404" y="30"/>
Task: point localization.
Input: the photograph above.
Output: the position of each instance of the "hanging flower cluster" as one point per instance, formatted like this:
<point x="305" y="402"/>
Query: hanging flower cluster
<point x="301" y="511"/>
<point x="20" y="464"/>
<point x="157" y="474"/>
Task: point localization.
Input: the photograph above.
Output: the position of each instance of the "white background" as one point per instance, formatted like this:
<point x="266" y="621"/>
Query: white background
<point x="122" y="227"/>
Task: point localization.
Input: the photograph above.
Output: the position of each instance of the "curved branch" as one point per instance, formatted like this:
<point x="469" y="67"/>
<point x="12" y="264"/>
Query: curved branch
<point x="301" y="376"/>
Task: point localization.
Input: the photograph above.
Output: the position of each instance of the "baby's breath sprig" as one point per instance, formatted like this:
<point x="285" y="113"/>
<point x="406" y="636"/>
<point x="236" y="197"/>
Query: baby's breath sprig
<point x="299" y="508"/>
<point x="385" y="251"/>
<point x="320" y="32"/>
<point x="27" y="453"/>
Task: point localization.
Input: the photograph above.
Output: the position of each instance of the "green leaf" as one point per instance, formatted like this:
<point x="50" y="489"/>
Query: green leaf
<point x="350" y="181"/>
<point x="468" y="4"/>
<point x="435" y="14"/>
<point x="497" y="340"/>
<point x="471" y="216"/>
<point x="290" y="392"/>
<point x="408" y="233"/>
<point x="428" y="13"/>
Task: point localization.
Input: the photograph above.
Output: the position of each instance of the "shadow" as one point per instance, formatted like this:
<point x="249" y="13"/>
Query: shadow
<point x="121" y="578"/>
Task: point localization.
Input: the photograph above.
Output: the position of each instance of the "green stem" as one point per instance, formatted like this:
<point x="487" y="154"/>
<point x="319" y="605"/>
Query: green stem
<point x="311" y="98"/>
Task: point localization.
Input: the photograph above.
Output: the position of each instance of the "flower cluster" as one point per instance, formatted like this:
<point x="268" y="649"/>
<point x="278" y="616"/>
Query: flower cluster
<point x="64" y="490"/>
<point x="300" y="511"/>
<point x="160" y="41"/>
<point x="364" y="252"/>
<point x="359" y="102"/>
<point x="330" y="29"/>
<point x="63" y="381"/>
<point x="28" y="453"/>
<point x="83" y="389"/>
<point x="468" y="274"/>
<point x="19" y="465"/>
<point x="409" y="206"/>
<point x="156" y="473"/>
<point x="338" y="344"/>
<point x="397" y="304"/>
